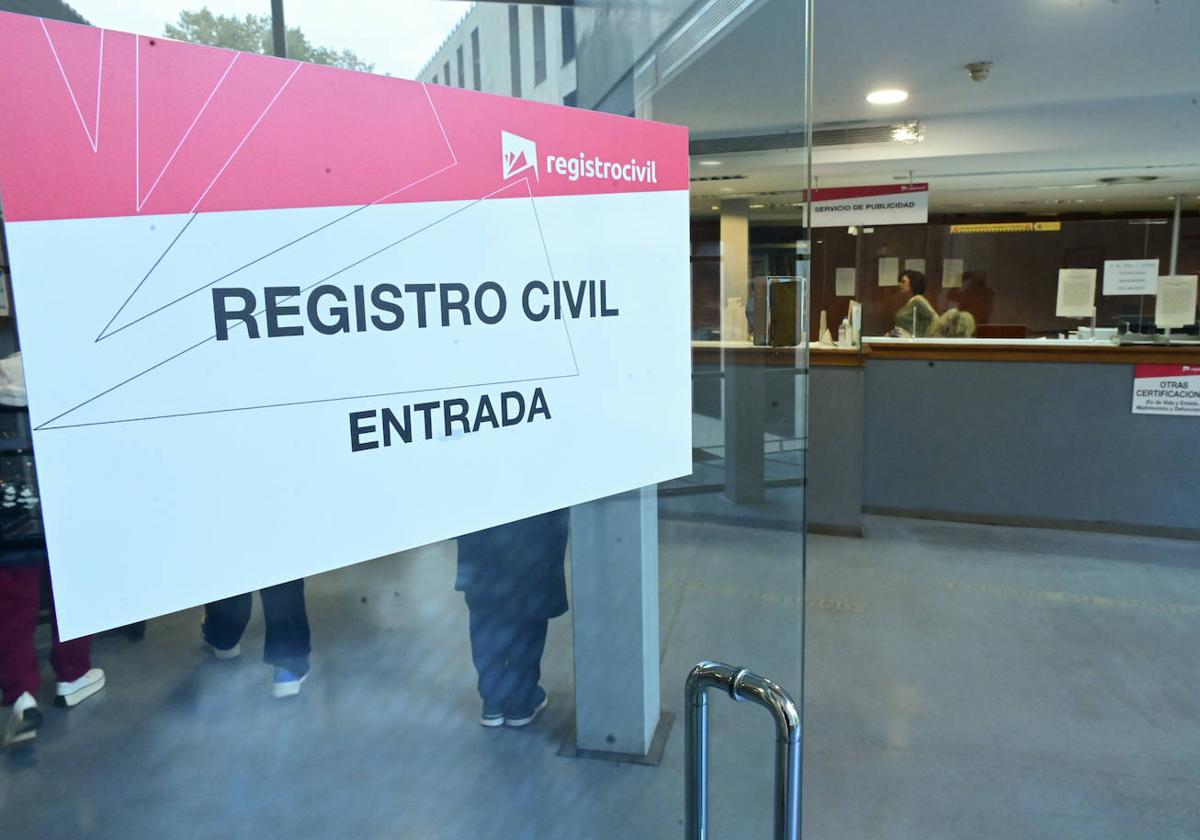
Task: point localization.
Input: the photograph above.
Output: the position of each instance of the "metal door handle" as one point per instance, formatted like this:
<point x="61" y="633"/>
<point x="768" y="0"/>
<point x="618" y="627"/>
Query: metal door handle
<point x="741" y="684"/>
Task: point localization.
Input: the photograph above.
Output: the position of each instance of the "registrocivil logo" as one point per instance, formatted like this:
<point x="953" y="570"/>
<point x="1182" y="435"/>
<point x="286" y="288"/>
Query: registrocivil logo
<point x="519" y="154"/>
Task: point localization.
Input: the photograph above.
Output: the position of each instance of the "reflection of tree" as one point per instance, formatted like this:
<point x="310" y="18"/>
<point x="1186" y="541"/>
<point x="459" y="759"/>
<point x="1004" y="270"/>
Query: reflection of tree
<point x="252" y="33"/>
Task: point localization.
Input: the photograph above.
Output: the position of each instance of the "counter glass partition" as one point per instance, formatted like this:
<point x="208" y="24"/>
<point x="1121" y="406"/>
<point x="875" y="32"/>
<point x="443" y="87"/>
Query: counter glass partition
<point x="1003" y="273"/>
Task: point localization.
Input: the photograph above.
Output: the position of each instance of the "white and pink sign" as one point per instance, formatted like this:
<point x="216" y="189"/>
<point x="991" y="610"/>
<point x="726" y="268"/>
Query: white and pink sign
<point x="1167" y="389"/>
<point x="886" y="204"/>
<point x="278" y="318"/>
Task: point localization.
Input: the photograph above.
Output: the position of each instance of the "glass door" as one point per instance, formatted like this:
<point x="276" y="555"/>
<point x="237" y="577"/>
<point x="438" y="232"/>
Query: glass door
<point x="523" y="676"/>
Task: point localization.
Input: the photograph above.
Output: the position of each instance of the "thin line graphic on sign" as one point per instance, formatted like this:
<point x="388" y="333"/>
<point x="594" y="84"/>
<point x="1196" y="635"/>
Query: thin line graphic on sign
<point x="99" y="84"/>
<point x="186" y="134"/>
<point x="107" y="333"/>
<point x="550" y="268"/>
<point x="438" y="117"/>
<point x="137" y="128"/>
<point x="324" y="400"/>
<point x="92" y="138"/>
<point x="274" y="99"/>
<point x="48" y="425"/>
<point x="145" y="277"/>
<point x="137" y="146"/>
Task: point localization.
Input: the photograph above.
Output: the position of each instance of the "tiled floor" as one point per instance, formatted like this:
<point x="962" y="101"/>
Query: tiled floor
<point x="962" y="682"/>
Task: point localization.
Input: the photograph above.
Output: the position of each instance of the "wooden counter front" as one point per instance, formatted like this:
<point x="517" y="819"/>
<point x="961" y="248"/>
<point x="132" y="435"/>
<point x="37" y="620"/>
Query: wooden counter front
<point x="1032" y="351"/>
<point x="745" y="353"/>
<point x="943" y="350"/>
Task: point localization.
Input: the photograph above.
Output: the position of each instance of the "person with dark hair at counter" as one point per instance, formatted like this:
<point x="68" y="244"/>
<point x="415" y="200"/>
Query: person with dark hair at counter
<point x="513" y="580"/>
<point x="915" y="318"/>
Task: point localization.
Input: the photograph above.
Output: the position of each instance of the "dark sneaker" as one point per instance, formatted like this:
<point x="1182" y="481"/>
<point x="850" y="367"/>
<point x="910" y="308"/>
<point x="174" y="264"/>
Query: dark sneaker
<point x="76" y="691"/>
<point x="526" y="716"/>
<point x="224" y="653"/>
<point x="220" y="653"/>
<point x="23" y="723"/>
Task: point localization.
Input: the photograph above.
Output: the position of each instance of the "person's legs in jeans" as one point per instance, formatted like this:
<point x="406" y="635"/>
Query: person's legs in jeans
<point x="225" y="621"/>
<point x="491" y="637"/>
<point x="525" y="666"/>
<point x="20" y="589"/>
<point x="288" y="642"/>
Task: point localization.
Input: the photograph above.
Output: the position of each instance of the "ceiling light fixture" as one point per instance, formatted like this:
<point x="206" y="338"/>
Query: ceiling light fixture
<point x="757" y="206"/>
<point x="908" y="132"/>
<point x="979" y="70"/>
<point x="710" y="163"/>
<point x="887" y="96"/>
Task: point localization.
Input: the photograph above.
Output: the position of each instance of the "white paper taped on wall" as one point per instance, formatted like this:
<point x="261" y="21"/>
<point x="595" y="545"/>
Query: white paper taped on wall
<point x="889" y="271"/>
<point x="1076" y="293"/>
<point x="1130" y="277"/>
<point x="1175" y="305"/>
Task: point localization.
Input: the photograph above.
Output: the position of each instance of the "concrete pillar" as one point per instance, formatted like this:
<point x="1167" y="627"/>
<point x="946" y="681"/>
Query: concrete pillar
<point x="735" y="260"/>
<point x="745" y="424"/>
<point x="614" y="588"/>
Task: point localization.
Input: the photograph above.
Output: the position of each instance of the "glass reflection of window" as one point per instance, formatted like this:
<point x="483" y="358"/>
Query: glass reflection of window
<point x="475" y="57"/>
<point x="459" y="55"/>
<point x="514" y="48"/>
<point x="539" y="45"/>
<point x="568" y="35"/>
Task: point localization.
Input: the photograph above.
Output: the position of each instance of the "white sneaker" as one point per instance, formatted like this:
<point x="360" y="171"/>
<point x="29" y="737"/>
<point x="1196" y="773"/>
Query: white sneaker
<point x="75" y="692"/>
<point x="287" y="683"/>
<point x="23" y="723"/>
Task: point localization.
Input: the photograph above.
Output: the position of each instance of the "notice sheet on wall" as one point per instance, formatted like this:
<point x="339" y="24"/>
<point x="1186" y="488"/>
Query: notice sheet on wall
<point x="1076" y="293"/>
<point x="1130" y="277"/>
<point x="1166" y="389"/>
<point x="844" y="280"/>
<point x="952" y="273"/>
<point x="889" y="271"/>
<point x="915" y="265"/>
<point x="1175" y="305"/>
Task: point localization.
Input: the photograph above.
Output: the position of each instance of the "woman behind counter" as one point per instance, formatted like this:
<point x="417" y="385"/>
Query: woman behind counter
<point x="917" y="315"/>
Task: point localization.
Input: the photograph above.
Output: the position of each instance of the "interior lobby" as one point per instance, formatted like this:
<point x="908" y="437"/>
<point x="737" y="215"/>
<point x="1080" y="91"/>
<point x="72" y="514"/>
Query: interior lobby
<point x="969" y="562"/>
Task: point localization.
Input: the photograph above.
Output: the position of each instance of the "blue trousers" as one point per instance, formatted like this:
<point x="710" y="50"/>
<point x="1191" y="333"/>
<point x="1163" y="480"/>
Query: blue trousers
<point x="287" y="642"/>
<point x="507" y="653"/>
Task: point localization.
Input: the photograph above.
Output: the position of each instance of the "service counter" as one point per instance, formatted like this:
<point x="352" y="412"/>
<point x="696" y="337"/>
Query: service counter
<point x="1034" y="432"/>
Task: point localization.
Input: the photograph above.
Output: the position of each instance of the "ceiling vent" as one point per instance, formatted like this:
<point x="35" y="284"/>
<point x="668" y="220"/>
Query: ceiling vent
<point x="709" y="20"/>
<point x="1118" y="180"/>
<point x="850" y="135"/>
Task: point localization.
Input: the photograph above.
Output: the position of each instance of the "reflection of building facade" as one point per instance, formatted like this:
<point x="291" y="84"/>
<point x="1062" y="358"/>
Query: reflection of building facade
<point x="510" y="49"/>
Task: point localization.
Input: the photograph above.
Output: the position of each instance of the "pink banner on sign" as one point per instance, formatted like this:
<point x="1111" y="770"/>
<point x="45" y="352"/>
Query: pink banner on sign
<point x="101" y="123"/>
